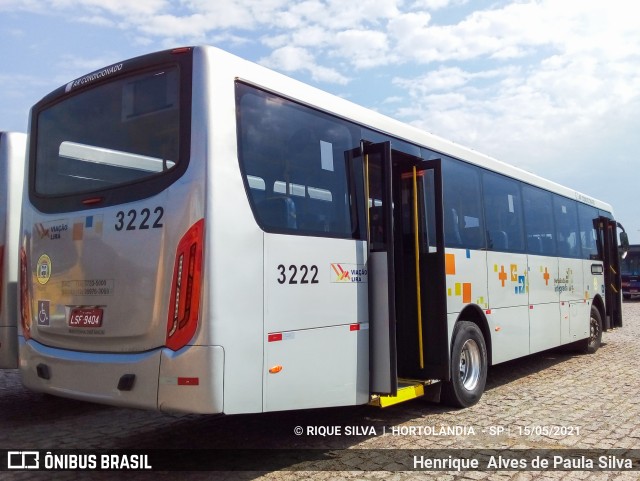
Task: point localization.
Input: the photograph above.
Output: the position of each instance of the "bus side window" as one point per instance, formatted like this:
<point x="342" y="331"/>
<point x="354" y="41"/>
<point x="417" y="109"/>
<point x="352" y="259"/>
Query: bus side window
<point x="566" y="217"/>
<point x="463" y="216"/>
<point x="588" y="235"/>
<point x="538" y="216"/>
<point x="299" y="153"/>
<point x="503" y="210"/>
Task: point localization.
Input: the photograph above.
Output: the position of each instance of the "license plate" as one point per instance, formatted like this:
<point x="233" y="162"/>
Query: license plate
<point x="85" y="317"/>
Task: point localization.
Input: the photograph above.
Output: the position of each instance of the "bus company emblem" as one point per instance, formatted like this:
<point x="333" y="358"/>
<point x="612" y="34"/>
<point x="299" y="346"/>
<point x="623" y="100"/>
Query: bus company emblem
<point x="341" y="275"/>
<point x="52" y="230"/>
<point x="43" y="269"/>
<point x="350" y="273"/>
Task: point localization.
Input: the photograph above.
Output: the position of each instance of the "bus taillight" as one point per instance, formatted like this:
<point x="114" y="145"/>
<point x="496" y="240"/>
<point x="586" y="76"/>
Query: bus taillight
<point x="184" y="303"/>
<point x="25" y="312"/>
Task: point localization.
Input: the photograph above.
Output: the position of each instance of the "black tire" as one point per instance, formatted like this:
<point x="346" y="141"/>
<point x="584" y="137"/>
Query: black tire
<point x="592" y="343"/>
<point x="469" y="364"/>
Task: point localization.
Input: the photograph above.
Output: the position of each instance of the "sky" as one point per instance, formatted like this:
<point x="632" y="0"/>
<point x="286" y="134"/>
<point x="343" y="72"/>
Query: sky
<point x="551" y="86"/>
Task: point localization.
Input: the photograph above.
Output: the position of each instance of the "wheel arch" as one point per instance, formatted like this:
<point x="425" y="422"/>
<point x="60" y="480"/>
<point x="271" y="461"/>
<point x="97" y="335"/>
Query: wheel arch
<point x="598" y="303"/>
<point x="473" y="313"/>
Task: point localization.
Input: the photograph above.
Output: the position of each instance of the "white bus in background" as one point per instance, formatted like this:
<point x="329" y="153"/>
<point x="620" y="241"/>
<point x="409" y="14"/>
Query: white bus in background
<point x="12" y="158"/>
<point x="202" y="234"/>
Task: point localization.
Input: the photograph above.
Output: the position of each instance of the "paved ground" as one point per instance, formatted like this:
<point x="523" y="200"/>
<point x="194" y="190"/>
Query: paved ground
<point x="590" y="401"/>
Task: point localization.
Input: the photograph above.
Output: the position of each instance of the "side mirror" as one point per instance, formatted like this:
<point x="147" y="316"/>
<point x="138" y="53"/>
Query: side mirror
<point x="624" y="243"/>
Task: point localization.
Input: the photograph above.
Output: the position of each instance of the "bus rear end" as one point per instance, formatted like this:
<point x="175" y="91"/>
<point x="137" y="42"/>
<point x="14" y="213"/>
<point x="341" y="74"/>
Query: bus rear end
<point x="12" y="152"/>
<point x="111" y="249"/>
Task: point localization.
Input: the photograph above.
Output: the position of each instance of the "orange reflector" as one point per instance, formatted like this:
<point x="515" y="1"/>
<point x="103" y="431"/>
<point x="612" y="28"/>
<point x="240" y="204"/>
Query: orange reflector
<point x="498" y="329"/>
<point x="354" y="327"/>
<point x="275" y="337"/>
<point x="275" y="369"/>
<point x="188" y="381"/>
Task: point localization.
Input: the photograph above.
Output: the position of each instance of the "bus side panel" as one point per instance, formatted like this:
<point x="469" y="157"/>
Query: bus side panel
<point x="575" y="309"/>
<point x="321" y="367"/>
<point x="233" y="297"/>
<point x="12" y="159"/>
<point x="316" y="322"/>
<point x="508" y="301"/>
<point x="544" y="312"/>
<point x="466" y="278"/>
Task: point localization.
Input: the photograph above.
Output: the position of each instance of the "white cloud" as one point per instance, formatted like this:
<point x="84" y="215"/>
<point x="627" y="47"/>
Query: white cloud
<point x="291" y="59"/>
<point x="117" y="7"/>
<point x="435" y="4"/>
<point x="365" y="48"/>
<point x="122" y="8"/>
<point x="541" y="74"/>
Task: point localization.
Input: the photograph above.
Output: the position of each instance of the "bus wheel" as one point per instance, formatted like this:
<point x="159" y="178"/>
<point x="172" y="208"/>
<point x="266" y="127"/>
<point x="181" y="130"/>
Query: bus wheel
<point x="592" y="343"/>
<point x="468" y="366"/>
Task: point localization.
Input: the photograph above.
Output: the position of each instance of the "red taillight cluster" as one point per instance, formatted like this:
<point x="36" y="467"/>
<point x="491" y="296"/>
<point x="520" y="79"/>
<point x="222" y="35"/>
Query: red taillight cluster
<point x="25" y="311"/>
<point x="184" y="303"/>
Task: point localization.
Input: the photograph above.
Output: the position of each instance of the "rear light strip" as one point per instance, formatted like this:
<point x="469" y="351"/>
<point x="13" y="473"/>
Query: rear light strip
<point x="184" y="303"/>
<point x="25" y="311"/>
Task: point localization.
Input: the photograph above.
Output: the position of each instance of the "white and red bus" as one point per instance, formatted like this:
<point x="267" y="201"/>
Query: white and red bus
<point x="202" y="234"/>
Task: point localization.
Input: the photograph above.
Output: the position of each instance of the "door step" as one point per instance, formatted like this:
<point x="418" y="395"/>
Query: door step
<point x="407" y="389"/>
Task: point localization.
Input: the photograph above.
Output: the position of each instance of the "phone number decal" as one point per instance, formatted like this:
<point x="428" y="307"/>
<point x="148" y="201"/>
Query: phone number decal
<point x="88" y="287"/>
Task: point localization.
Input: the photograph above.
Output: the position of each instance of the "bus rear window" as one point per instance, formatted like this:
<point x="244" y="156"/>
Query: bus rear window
<point x="112" y="134"/>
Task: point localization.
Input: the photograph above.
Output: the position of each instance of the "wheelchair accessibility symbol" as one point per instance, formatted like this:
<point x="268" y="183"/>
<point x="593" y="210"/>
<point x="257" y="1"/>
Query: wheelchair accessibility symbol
<point x="43" y="313"/>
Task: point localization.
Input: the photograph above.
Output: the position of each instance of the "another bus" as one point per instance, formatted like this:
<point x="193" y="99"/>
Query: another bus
<point x="202" y="234"/>
<point x="12" y="161"/>
<point x="630" y="272"/>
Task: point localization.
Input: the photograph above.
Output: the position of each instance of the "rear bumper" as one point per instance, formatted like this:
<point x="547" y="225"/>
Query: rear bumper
<point x="189" y="380"/>
<point x="90" y="376"/>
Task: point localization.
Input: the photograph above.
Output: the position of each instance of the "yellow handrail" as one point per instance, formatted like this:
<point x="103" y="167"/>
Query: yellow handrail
<point x="417" y="248"/>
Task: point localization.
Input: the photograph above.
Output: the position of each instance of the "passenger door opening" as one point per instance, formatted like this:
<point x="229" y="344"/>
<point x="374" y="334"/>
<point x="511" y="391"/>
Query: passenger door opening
<point x="407" y="290"/>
